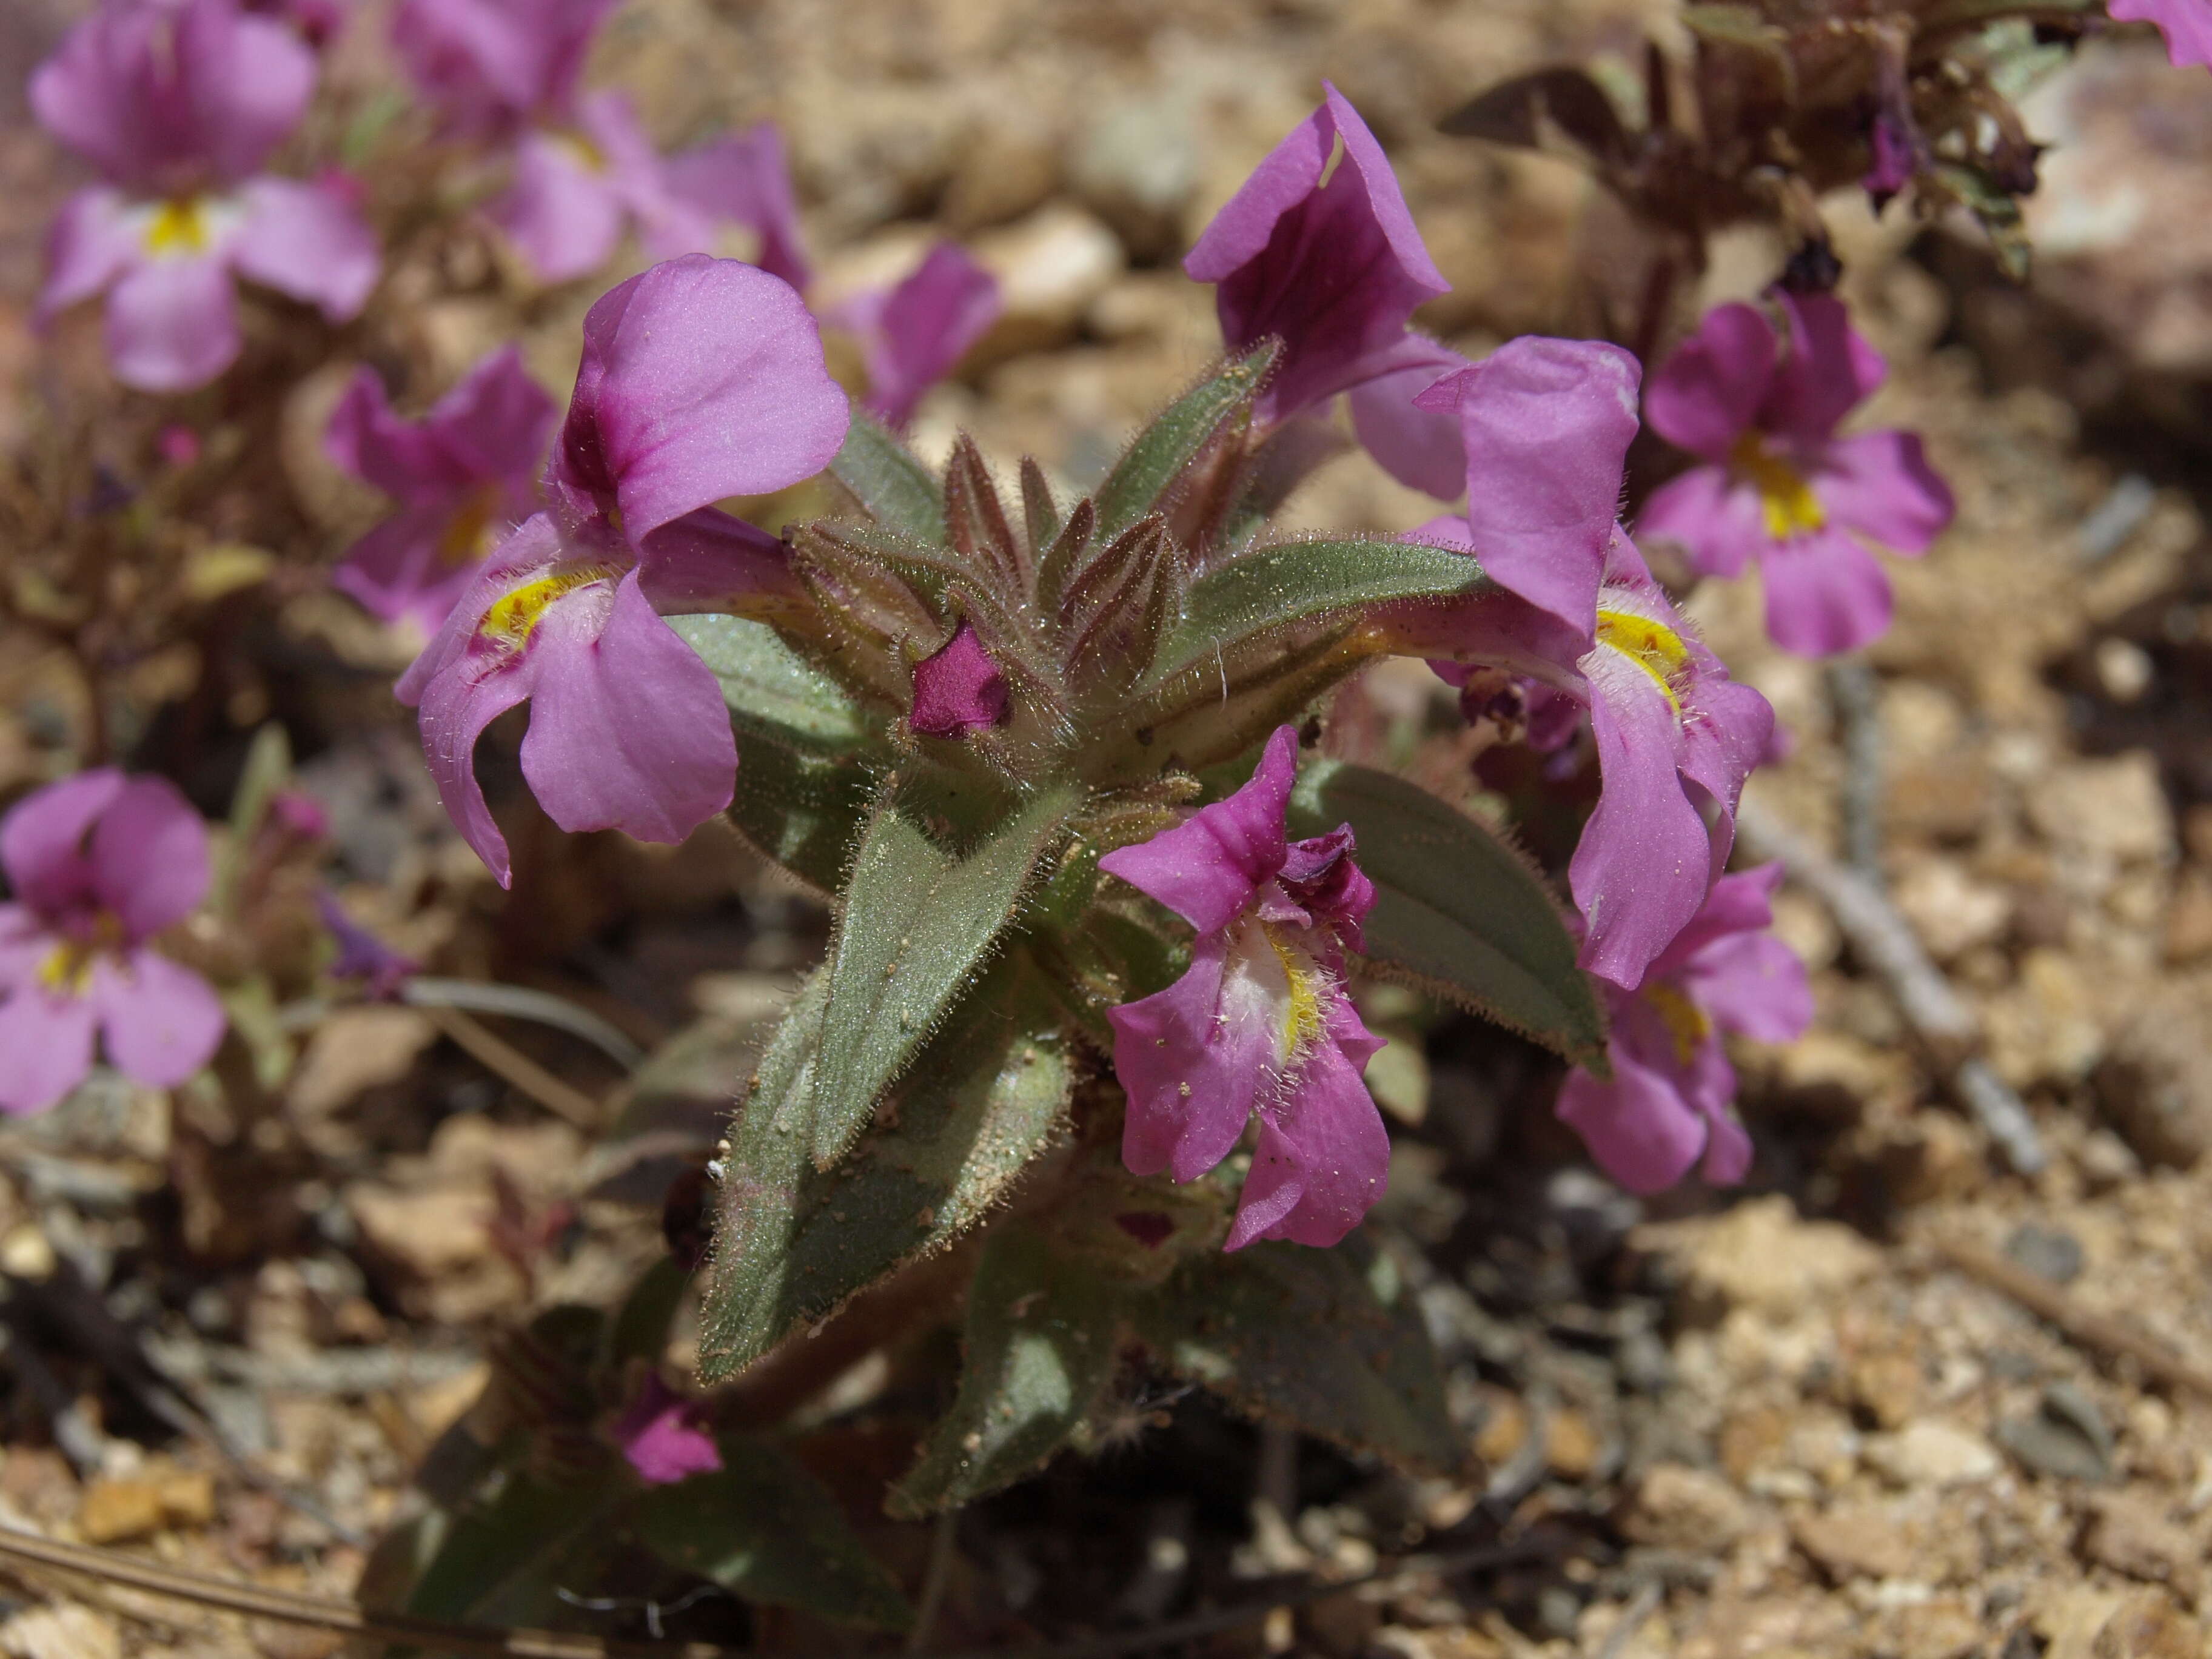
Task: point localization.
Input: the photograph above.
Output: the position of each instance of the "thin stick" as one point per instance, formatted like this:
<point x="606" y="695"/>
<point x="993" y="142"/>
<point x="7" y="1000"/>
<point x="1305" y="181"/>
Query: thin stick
<point x="1857" y="697"/>
<point x="2091" y="1330"/>
<point x="1885" y="941"/>
<point x="1641" y="1607"/>
<point x="933" y="1579"/>
<point x="495" y="1054"/>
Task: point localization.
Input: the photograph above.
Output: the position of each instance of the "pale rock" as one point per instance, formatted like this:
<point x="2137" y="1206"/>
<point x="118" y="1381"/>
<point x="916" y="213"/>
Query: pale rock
<point x="65" y="1629"/>
<point x="1952" y="912"/>
<point x="355" y="1049"/>
<point x="1136" y="165"/>
<point x="2150" y="1627"/>
<point x="1050" y="267"/>
<point x="430" y="1231"/>
<point x="1007" y="166"/>
<point x="2130" y="1534"/>
<point x="1761" y="1256"/>
<point x="1859" y="1541"/>
<point x="2044" y="1029"/>
<point x="2155" y="1083"/>
<point x="1677" y="1507"/>
<point x="2115" y="808"/>
<point x="1931" y="1453"/>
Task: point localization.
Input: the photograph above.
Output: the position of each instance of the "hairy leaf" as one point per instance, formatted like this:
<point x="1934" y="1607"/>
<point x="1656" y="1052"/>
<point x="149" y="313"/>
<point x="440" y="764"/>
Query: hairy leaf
<point x="1039" y="1353"/>
<point x="1040" y="512"/>
<point x="1329" y="1341"/>
<point x="1148" y="473"/>
<point x="772" y="692"/>
<point x="500" y="1563"/>
<point x="764" y="1528"/>
<point x="1456" y="910"/>
<point x="791" y="1243"/>
<point x="886" y="479"/>
<point x="1292" y="582"/>
<point x="919" y="919"/>
<point x="802" y="809"/>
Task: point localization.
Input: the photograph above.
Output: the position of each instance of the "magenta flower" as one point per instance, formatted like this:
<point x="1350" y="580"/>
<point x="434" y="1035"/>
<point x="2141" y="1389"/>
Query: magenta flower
<point x="2186" y="25"/>
<point x="1260" y="1025"/>
<point x="958" y="688"/>
<point x="317" y="20"/>
<point x="179" y="105"/>
<point x="462" y="476"/>
<point x="504" y="72"/>
<point x="661" y="1438"/>
<point x="1667" y="1102"/>
<point x="99" y="863"/>
<point x="379" y="969"/>
<point x="743" y="179"/>
<point x="1319" y="250"/>
<point x="701" y="379"/>
<point x="1779" y="486"/>
<point x="1675" y="737"/>
<point x="914" y="334"/>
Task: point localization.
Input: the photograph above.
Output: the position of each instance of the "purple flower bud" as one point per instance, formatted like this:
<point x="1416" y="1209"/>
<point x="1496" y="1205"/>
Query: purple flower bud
<point x="1261" y="1024"/>
<point x="1319" y="250"/>
<point x="701" y="379"/>
<point x="362" y="956"/>
<point x="100" y="864"/>
<point x="1779" y="486"/>
<point x="462" y="476"/>
<point x="661" y="1438"/>
<point x="178" y="105"/>
<point x="1667" y="1102"/>
<point x="2186" y="25"/>
<point x="958" y="688"/>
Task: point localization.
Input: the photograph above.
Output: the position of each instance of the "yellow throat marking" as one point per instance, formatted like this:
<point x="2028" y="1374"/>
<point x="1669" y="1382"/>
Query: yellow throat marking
<point x="1653" y="647"/>
<point x="1684" y="1021"/>
<point x="1302" y="1019"/>
<point x="468" y="536"/>
<point x="178" y="227"/>
<point x="515" y="616"/>
<point x="1788" y="501"/>
<point x="67" y="970"/>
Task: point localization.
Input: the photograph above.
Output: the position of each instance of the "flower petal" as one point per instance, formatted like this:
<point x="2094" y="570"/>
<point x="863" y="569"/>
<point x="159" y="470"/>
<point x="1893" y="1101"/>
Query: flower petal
<point x="914" y="335"/>
<point x="1828" y="371"/>
<point x="667" y="224"/>
<point x="628" y="728"/>
<point x="744" y="177"/>
<point x="306" y="241"/>
<point x="1327" y="260"/>
<point x="1323" y="1157"/>
<point x="710" y="561"/>
<point x="1638" y="1127"/>
<point x="172" y="323"/>
<point x="563" y="215"/>
<point x="1824" y="593"/>
<point x="958" y="688"/>
<point x="1192" y="1075"/>
<point x="2186" y="25"/>
<point x="1753" y="985"/>
<point x="1880" y="484"/>
<point x="91" y="245"/>
<point x="45" y="839"/>
<point x="1546" y="425"/>
<point x="488" y="62"/>
<point x="149" y="857"/>
<point x="1709" y="391"/>
<point x="48" y="1042"/>
<point x="1206" y="868"/>
<point x="161" y="1021"/>
<point x="1717" y="522"/>
<point x="701" y="379"/>
<point x="1418" y="447"/>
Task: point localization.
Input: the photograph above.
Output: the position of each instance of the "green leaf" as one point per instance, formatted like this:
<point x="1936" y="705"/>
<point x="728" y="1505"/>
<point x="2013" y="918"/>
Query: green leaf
<point x="1457" y="911"/>
<point x="1145" y="475"/>
<point x="1998" y="213"/>
<point x="499" y="1562"/>
<point x="791" y="1243"/>
<point x="919" y="919"/>
<point x="887" y="480"/>
<point x="771" y="692"/>
<point x="765" y="1529"/>
<point x="1272" y="587"/>
<point x="639" y="1329"/>
<point x="1329" y="1341"/>
<point x="805" y="811"/>
<point x="1040" y="1353"/>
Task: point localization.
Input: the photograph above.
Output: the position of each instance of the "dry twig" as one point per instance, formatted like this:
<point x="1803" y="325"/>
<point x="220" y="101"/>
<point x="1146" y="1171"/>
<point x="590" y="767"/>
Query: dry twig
<point x="496" y="1055"/>
<point x="2091" y="1330"/>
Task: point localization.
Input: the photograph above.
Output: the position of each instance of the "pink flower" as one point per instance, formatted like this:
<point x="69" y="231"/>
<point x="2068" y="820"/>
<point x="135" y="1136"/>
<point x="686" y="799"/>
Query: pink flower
<point x="1667" y="1102"/>
<point x="958" y="688"/>
<point x="179" y="105"/>
<point x="504" y="72"/>
<point x="462" y="476"/>
<point x="701" y="379"/>
<point x="100" y="864"/>
<point x="1319" y="250"/>
<point x="317" y="20"/>
<point x="914" y="334"/>
<point x="1673" y="735"/>
<point x="1260" y="1025"/>
<point x="2186" y="25"/>
<point x="742" y="179"/>
<point x="661" y="1437"/>
<point x="1778" y="486"/>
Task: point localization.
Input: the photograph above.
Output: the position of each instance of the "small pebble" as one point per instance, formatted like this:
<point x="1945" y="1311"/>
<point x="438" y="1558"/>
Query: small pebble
<point x="2051" y="1252"/>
